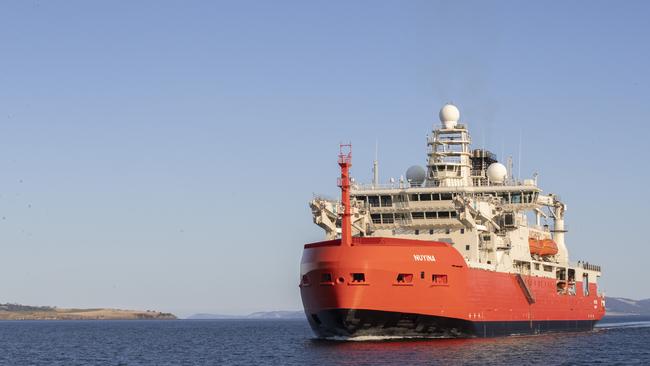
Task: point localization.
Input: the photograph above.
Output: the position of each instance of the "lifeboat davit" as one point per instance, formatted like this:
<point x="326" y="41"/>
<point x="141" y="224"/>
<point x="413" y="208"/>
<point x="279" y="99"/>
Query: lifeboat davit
<point x="542" y="247"/>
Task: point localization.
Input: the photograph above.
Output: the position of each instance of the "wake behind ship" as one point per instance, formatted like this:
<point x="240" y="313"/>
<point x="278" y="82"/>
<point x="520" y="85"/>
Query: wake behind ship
<point x="459" y="249"/>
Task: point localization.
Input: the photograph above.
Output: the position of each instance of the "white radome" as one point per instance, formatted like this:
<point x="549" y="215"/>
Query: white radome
<point x="449" y="115"/>
<point x="497" y="173"/>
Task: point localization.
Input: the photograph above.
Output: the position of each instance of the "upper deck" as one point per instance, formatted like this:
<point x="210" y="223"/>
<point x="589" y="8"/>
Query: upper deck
<point x="468" y="199"/>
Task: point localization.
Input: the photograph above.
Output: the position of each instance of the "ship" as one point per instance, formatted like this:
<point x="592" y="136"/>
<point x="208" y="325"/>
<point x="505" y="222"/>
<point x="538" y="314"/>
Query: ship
<point x="460" y="248"/>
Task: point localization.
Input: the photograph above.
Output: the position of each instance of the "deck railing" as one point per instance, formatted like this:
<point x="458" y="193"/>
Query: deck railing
<point x="588" y="266"/>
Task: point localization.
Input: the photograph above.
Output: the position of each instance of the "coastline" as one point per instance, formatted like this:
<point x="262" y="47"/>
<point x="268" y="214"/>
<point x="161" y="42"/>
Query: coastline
<point x="23" y="312"/>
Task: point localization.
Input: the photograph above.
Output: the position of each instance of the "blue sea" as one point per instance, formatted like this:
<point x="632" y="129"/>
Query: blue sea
<point x="617" y="341"/>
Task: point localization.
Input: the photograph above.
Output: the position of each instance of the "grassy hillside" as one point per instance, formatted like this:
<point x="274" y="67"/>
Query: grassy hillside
<point x="25" y="312"/>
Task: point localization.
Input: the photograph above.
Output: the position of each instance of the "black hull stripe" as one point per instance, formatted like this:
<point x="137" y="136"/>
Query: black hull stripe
<point x="355" y="322"/>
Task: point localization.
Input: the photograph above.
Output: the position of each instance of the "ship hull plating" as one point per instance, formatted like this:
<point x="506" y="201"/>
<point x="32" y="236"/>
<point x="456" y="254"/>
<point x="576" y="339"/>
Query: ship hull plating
<point x="351" y="323"/>
<point x="411" y="288"/>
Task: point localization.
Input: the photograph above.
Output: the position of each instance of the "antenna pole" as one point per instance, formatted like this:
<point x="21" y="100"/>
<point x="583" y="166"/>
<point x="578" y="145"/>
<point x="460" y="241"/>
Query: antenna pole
<point x="519" y="160"/>
<point x="345" y="162"/>
<point x="375" y="167"/>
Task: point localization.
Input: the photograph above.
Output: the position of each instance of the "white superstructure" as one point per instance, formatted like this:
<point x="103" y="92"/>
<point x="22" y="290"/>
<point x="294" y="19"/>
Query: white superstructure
<point x="467" y="198"/>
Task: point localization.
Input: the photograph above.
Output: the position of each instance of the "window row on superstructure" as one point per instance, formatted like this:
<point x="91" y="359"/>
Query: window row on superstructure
<point x="430" y="197"/>
<point x="506" y="197"/>
<point x="403" y="218"/>
<point x="511" y="197"/>
<point x="388" y="200"/>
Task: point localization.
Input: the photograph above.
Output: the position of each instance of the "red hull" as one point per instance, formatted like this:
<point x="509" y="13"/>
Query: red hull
<point x="436" y="286"/>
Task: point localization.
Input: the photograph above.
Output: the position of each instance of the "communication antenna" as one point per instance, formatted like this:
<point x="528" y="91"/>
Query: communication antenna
<point x="375" y="166"/>
<point x="483" y="137"/>
<point x="519" y="159"/>
<point x="503" y="149"/>
<point x="510" y="178"/>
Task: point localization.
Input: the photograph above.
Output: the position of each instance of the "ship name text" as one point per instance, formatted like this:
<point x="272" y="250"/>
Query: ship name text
<point x="424" y="258"/>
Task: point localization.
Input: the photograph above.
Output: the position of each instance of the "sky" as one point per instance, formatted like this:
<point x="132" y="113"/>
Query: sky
<point x="161" y="154"/>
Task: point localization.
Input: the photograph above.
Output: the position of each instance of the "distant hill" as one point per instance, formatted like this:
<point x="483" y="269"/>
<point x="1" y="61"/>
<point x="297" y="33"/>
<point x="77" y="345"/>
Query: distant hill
<point x="258" y="315"/>
<point x="277" y="315"/>
<point x="623" y="306"/>
<point x="201" y="316"/>
<point x="26" y="312"/>
<point x="615" y="306"/>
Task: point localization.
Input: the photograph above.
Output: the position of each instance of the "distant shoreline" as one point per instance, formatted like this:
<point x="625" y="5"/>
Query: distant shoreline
<point x="260" y="315"/>
<point x="25" y="312"/>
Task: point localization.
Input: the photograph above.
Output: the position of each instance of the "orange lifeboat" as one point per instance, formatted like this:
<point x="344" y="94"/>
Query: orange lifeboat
<point x="542" y="247"/>
<point x="535" y="246"/>
<point x="549" y="247"/>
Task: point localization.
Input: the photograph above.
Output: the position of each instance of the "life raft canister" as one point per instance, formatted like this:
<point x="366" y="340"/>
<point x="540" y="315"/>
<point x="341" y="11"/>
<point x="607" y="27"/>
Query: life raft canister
<point x="542" y="247"/>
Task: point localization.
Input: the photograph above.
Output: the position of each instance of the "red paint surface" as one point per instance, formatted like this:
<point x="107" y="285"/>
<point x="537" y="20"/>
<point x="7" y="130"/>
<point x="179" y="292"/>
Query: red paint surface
<point x="345" y="162"/>
<point x="470" y="294"/>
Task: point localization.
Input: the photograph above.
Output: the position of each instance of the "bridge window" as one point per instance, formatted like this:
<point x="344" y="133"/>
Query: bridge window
<point x="445" y="196"/>
<point x="387" y="218"/>
<point x="373" y="201"/>
<point x="376" y="218"/>
<point x="528" y="197"/>
<point x="386" y="201"/>
<point x="415" y="197"/>
<point x="430" y="215"/>
<point x="417" y="215"/>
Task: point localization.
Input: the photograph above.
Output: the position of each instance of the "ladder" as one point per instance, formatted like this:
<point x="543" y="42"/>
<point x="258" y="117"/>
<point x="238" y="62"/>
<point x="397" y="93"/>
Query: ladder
<point x="525" y="289"/>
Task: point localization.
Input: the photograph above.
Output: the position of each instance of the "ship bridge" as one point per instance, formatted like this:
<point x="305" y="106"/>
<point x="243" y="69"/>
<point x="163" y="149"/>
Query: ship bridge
<point x="465" y="197"/>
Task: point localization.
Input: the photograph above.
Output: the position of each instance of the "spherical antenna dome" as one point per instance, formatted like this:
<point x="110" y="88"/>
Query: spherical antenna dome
<point x="416" y="175"/>
<point x="497" y="173"/>
<point x="449" y="115"/>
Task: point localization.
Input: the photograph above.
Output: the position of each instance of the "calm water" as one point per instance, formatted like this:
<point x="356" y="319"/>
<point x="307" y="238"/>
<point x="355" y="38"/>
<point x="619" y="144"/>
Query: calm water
<point x="290" y="342"/>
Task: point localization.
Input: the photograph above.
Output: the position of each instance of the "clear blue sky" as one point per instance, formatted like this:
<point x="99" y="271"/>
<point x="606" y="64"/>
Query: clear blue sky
<point x="160" y="155"/>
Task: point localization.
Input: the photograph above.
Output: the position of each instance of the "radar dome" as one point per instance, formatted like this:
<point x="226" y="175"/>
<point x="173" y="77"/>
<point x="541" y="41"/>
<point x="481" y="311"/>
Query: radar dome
<point x="497" y="173"/>
<point x="449" y="115"/>
<point x="416" y="175"/>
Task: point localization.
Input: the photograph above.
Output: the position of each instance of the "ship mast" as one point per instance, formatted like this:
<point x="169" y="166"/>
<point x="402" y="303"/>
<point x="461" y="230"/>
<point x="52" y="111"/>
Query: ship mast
<point x="345" y="162"/>
<point x="449" y="155"/>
